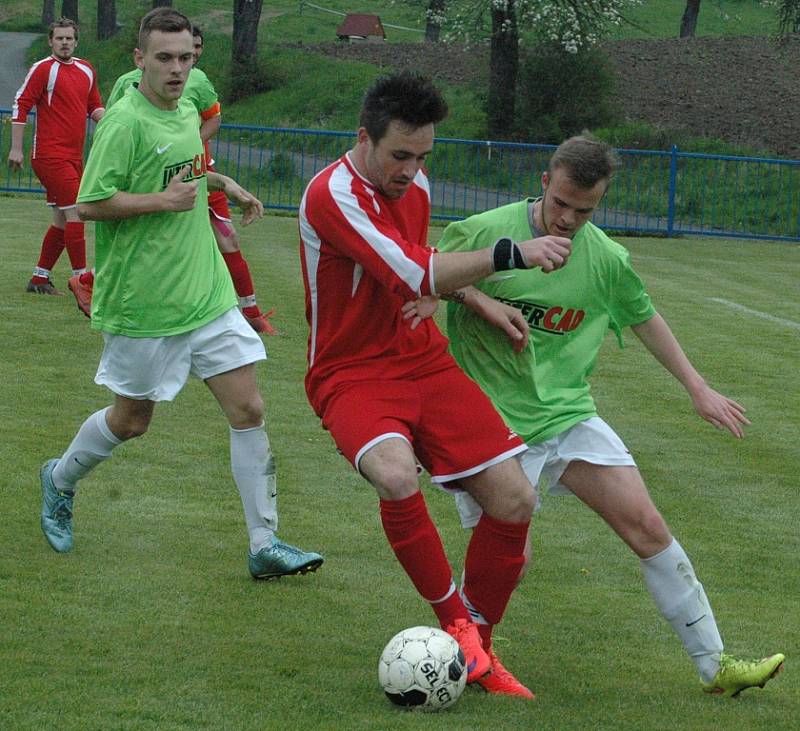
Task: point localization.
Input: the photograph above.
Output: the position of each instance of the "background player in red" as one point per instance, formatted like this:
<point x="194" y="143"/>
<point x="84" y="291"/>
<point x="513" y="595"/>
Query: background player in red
<point x="63" y="88"/>
<point x="224" y="231"/>
<point x="389" y="393"/>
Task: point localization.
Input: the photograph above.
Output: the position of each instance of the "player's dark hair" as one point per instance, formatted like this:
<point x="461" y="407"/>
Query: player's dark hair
<point x="197" y="32"/>
<point x="586" y="159"/>
<point x="164" y="19"/>
<point x="62" y="22"/>
<point x="405" y="97"/>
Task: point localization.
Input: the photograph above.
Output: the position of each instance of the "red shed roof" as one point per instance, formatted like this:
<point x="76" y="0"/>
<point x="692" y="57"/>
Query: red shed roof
<point x="361" y="24"/>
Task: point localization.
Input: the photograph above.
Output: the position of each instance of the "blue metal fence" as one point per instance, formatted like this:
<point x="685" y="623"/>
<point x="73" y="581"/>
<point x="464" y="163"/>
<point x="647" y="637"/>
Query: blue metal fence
<point x="655" y="192"/>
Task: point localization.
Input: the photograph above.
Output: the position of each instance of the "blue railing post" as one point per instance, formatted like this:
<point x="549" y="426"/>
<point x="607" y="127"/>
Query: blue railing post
<point x="673" y="181"/>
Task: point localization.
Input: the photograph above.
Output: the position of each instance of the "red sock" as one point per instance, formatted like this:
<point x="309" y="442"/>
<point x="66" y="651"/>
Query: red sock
<point x="418" y="547"/>
<point x="492" y="565"/>
<point x="87" y="278"/>
<point x="240" y="273"/>
<point x="52" y="246"/>
<point x="76" y="244"/>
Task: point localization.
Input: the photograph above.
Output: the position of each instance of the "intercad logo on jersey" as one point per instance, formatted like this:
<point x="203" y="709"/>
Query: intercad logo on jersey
<point x="554" y="320"/>
<point x="198" y="168"/>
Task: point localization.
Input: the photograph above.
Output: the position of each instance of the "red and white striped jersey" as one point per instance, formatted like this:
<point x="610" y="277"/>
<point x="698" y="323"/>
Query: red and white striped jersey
<point x="64" y="94"/>
<point x="364" y="256"/>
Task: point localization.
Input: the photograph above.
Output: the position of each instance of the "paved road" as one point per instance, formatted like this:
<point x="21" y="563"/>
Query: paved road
<point x="13" y="47"/>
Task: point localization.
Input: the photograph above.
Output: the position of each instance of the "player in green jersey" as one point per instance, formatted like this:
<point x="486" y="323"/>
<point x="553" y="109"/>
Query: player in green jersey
<point x="201" y="93"/>
<point x="544" y="395"/>
<point x="163" y="298"/>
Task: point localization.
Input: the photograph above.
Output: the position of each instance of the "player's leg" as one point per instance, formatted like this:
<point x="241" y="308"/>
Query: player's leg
<point x="496" y="556"/>
<point x="391" y="467"/>
<point x="227" y="239"/>
<point x="224" y="354"/>
<point x="74" y="234"/>
<point x="618" y="494"/>
<point x="52" y="246"/>
<point x="463" y="440"/>
<point x="97" y="437"/>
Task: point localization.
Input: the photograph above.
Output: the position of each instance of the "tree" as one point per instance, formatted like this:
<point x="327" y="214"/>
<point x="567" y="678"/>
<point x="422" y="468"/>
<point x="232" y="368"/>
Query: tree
<point x="571" y="23"/>
<point x="788" y="16"/>
<point x="48" y="12"/>
<point x="503" y="68"/>
<point x="69" y="9"/>
<point x="689" y="19"/>
<point x="433" y="20"/>
<point x="106" y="19"/>
<point x="245" y="77"/>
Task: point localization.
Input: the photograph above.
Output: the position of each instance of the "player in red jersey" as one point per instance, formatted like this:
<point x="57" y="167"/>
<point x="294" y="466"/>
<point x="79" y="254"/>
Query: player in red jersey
<point x="224" y="230"/>
<point x="380" y="376"/>
<point x="63" y="88"/>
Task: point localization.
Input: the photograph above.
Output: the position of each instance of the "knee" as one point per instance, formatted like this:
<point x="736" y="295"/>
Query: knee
<point x="249" y="413"/>
<point x="131" y="426"/>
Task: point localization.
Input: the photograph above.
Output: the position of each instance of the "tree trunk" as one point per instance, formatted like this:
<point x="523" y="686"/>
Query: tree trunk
<point x="503" y="67"/>
<point x="689" y="19"/>
<point x="69" y="9"/>
<point x="433" y="24"/>
<point x="48" y="12"/>
<point x="244" y="56"/>
<point x="162" y="3"/>
<point x="106" y="19"/>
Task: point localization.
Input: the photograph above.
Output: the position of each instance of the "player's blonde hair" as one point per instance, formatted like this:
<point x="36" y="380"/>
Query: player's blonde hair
<point x="586" y="159"/>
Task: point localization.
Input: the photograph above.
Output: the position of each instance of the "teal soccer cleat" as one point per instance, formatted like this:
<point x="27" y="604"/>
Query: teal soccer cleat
<point x="735" y="675"/>
<point x="56" y="510"/>
<point x="282" y="559"/>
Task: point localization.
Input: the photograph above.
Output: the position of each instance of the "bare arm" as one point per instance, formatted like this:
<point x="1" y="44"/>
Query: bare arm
<point x="210" y="127"/>
<point x="251" y="206"/>
<point x="15" y="154"/>
<point x="458" y="269"/>
<point x="177" y="196"/>
<point x="719" y="410"/>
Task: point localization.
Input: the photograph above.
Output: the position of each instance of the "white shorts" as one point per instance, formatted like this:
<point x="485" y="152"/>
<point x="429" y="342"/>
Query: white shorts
<point x="156" y="369"/>
<point x="591" y="441"/>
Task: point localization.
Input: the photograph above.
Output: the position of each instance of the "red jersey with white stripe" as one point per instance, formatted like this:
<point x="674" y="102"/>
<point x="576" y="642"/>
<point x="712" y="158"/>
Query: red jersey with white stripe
<point x="364" y="256"/>
<point x="64" y="94"/>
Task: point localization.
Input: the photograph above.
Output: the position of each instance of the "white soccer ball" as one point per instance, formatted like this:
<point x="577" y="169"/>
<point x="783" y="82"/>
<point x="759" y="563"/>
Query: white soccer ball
<point x="422" y="667"/>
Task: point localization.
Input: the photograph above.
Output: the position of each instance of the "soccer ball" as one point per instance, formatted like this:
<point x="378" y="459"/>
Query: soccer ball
<point x="422" y="667"/>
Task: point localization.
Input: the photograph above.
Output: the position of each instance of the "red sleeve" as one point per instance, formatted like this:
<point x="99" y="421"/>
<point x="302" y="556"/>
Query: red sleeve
<point x="352" y="220"/>
<point x="32" y="89"/>
<point x="94" y="102"/>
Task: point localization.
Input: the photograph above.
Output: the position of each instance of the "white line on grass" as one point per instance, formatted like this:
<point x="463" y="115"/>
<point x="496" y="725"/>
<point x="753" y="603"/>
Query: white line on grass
<point x="763" y="315"/>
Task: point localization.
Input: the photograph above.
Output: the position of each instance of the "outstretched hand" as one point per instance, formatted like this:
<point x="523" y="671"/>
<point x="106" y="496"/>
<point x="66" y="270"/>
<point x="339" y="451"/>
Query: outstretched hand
<point x="509" y="319"/>
<point x="252" y="208"/>
<point x="719" y="410"/>
<point x="15" y="160"/>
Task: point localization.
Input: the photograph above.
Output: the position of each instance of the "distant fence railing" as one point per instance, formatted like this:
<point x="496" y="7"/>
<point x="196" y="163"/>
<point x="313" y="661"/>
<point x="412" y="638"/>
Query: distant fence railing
<point x="667" y="193"/>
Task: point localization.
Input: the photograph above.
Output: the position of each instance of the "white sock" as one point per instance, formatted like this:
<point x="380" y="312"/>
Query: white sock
<point x="682" y="601"/>
<point x="254" y="473"/>
<point x="91" y="446"/>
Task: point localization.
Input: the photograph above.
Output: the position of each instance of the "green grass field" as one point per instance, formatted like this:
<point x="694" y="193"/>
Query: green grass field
<point x="153" y="622"/>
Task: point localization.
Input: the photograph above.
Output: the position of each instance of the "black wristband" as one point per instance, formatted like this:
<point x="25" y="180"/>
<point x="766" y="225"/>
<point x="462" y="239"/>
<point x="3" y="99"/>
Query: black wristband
<point x="507" y="255"/>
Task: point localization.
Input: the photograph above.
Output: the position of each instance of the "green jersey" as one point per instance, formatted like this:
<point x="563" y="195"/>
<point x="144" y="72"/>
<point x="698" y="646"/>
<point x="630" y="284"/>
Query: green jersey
<point x="157" y="274"/>
<point x="544" y="390"/>
<point x="198" y="90"/>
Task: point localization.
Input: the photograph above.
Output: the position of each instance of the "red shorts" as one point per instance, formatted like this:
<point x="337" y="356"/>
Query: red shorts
<point x="60" y="178"/>
<point x="449" y="422"/>
<point x="218" y="205"/>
